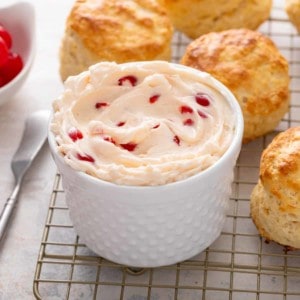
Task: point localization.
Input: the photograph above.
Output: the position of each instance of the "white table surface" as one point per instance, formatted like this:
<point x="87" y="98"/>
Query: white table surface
<point x="18" y="253"/>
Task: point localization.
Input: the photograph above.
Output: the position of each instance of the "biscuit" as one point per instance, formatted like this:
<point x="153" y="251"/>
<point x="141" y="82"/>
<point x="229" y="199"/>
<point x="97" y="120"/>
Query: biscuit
<point x="252" y="67"/>
<point x="275" y="200"/>
<point x="292" y="8"/>
<point x="194" y="17"/>
<point x="114" y="30"/>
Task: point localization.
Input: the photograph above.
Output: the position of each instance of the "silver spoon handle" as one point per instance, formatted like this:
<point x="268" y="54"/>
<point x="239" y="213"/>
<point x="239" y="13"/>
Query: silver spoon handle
<point x="8" y="209"/>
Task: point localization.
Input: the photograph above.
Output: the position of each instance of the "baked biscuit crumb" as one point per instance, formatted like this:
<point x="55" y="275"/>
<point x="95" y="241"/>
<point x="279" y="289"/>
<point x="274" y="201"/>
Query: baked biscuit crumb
<point x="275" y="200"/>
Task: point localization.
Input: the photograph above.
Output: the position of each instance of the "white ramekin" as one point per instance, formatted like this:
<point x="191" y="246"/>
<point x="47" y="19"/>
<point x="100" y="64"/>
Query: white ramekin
<point x="156" y="225"/>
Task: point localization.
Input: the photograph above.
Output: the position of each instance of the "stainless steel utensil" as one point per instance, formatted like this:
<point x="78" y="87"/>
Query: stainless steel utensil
<point x="34" y="136"/>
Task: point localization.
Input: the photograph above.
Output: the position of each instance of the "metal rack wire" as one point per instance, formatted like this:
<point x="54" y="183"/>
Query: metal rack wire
<point x="239" y="265"/>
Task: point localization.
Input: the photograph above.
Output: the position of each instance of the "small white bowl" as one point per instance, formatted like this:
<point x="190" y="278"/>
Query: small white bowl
<point x="19" y="19"/>
<point x="151" y="226"/>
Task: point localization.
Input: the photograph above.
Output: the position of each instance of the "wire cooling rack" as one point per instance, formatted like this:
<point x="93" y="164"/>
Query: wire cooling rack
<point x="238" y="265"/>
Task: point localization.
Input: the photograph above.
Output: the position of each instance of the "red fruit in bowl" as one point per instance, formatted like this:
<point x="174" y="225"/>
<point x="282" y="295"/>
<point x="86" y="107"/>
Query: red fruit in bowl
<point x="12" y="67"/>
<point x="2" y="82"/>
<point x="5" y="36"/>
<point x="3" y="52"/>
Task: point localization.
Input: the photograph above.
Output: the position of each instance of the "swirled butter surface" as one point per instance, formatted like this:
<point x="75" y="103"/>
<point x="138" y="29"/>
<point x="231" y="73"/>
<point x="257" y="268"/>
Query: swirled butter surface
<point x="141" y="124"/>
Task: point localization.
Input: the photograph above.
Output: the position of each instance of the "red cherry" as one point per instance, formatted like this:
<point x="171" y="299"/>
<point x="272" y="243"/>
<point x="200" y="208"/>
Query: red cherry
<point x="12" y="67"/>
<point x="5" y="36"/>
<point x="184" y="109"/>
<point x="3" y="52"/>
<point x="130" y="78"/>
<point x="120" y="124"/>
<point x="176" y="140"/>
<point x="188" y="122"/>
<point x="153" y="98"/>
<point x="202" y="114"/>
<point x="129" y="146"/>
<point x="202" y="99"/>
<point x="85" y="157"/>
<point x="99" y="105"/>
<point x="109" y="139"/>
<point x="2" y="82"/>
<point x="75" y="134"/>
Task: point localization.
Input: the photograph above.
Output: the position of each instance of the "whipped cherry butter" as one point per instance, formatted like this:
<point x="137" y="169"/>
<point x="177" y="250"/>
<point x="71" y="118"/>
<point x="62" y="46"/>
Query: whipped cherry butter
<point x="142" y="124"/>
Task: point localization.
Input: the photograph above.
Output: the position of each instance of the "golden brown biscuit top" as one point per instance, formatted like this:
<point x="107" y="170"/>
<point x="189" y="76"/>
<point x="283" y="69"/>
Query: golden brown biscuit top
<point x="102" y="24"/>
<point x="245" y="61"/>
<point x="292" y="8"/>
<point x="207" y="8"/>
<point x="280" y="169"/>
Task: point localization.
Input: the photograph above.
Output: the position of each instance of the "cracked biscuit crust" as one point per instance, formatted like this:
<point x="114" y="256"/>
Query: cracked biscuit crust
<point x="195" y="17"/>
<point x="114" y="30"/>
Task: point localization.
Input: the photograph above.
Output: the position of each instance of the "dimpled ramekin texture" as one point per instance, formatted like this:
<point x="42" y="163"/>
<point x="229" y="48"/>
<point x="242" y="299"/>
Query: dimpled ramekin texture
<point x="148" y="226"/>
